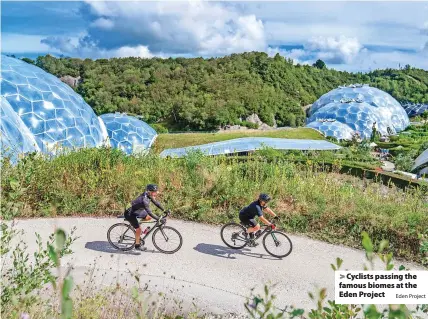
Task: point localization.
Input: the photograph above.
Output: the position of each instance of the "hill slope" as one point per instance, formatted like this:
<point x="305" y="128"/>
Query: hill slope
<point x="205" y="93"/>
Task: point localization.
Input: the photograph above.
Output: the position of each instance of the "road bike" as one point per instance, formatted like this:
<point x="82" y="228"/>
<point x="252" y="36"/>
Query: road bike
<point x="275" y="242"/>
<point x="166" y="239"/>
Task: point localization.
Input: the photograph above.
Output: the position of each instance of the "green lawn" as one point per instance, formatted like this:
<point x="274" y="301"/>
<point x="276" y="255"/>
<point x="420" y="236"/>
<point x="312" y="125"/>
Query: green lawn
<point x="165" y="141"/>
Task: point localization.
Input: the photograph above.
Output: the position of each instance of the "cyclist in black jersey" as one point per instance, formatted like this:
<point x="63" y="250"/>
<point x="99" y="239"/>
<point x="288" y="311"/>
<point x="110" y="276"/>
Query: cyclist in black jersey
<point x="141" y="209"/>
<point x="248" y="214"/>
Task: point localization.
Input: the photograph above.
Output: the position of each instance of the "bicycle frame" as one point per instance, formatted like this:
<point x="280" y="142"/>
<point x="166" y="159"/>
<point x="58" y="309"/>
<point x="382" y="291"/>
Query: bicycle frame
<point x="157" y="225"/>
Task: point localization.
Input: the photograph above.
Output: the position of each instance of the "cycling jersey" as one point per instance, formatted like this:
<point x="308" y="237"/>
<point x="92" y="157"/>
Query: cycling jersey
<point x="252" y="210"/>
<point x="141" y="206"/>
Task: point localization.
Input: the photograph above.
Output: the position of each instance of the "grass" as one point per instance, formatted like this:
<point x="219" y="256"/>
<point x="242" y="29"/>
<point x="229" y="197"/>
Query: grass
<point x="165" y="141"/>
<point x="327" y="206"/>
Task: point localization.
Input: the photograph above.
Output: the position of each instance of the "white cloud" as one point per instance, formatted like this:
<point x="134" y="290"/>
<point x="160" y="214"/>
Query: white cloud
<point x="140" y="51"/>
<point x="335" y="49"/>
<point x="196" y="27"/>
<point x="103" y="23"/>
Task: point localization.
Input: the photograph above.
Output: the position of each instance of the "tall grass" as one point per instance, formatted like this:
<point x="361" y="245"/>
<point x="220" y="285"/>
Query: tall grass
<point x="328" y="206"/>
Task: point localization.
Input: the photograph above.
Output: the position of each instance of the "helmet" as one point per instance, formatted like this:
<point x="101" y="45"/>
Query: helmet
<point x="264" y="197"/>
<point x="152" y="187"/>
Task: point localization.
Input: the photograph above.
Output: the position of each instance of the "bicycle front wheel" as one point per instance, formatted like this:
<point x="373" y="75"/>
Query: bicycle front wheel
<point x="233" y="235"/>
<point x="167" y="240"/>
<point x="277" y="244"/>
<point x="121" y="236"/>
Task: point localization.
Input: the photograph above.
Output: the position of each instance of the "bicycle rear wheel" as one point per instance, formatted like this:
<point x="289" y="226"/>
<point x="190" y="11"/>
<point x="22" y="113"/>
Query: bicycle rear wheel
<point x="232" y="235"/>
<point x="121" y="236"/>
<point x="277" y="244"/>
<point x="167" y="240"/>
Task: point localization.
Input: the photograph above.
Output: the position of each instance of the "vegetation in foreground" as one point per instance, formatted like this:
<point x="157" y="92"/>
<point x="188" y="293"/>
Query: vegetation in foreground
<point x="202" y="94"/>
<point x="22" y="282"/>
<point x="164" y="141"/>
<point x="323" y="205"/>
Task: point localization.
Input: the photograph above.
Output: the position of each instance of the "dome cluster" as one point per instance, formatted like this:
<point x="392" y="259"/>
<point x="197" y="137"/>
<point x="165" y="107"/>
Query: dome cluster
<point x="352" y="109"/>
<point x="40" y="113"/>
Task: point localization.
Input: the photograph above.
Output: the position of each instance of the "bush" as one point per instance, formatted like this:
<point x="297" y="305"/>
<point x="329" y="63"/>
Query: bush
<point x="250" y="125"/>
<point x="159" y="128"/>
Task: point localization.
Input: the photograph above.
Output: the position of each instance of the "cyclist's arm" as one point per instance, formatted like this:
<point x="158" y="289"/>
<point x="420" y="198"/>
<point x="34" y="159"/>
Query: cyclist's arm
<point x="265" y="221"/>
<point x="270" y="212"/>
<point x="157" y="204"/>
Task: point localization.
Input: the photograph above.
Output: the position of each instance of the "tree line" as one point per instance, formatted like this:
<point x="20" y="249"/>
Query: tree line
<point x="203" y="94"/>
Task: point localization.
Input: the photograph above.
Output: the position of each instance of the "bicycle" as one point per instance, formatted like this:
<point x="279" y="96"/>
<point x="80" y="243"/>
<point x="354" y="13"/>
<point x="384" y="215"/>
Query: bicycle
<point x="239" y="238"/>
<point x="122" y="235"/>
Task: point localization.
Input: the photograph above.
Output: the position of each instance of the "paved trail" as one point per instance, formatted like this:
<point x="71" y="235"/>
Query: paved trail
<point x="204" y="271"/>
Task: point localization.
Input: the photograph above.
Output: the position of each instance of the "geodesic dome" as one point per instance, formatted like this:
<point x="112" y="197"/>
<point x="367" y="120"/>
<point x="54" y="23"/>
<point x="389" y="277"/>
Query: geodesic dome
<point x="128" y="133"/>
<point x="415" y="109"/>
<point x="15" y="137"/>
<point x="49" y="108"/>
<point x="359" y="107"/>
<point x="333" y="128"/>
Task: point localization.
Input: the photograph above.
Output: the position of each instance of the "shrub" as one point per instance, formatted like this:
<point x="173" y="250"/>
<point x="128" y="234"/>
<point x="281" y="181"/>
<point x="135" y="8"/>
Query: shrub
<point x="159" y="128"/>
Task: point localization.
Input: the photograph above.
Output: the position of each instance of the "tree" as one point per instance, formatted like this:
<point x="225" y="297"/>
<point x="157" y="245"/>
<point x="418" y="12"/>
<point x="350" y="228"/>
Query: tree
<point x="29" y="61"/>
<point x="319" y="64"/>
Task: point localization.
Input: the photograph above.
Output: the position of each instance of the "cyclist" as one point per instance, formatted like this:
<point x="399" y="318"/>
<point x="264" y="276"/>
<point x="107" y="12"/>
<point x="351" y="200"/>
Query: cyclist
<point x="256" y="208"/>
<point x="141" y="209"/>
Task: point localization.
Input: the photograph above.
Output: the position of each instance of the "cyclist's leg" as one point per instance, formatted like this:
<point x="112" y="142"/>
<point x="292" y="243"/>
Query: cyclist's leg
<point x="132" y="219"/>
<point x="253" y="227"/>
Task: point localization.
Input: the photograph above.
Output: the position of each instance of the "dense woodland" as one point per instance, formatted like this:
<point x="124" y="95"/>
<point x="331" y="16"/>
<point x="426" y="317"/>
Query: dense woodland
<point x="202" y="94"/>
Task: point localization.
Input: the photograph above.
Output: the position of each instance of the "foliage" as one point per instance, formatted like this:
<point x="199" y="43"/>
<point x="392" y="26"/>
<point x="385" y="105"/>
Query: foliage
<point x="22" y="278"/>
<point x="203" y="94"/>
<point x="320" y="64"/>
<point x="313" y="201"/>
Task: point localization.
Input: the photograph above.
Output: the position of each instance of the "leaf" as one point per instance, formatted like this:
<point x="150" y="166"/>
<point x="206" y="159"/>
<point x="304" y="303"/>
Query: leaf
<point x="297" y="312"/>
<point x="67" y="309"/>
<point x="134" y="292"/>
<point x="383" y="245"/>
<point x="60" y="239"/>
<point x="402" y="268"/>
<point x="67" y="286"/>
<point x="367" y="243"/>
<point x="53" y="255"/>
<point x="339" y="262"/>
<point x="14" y="184"/>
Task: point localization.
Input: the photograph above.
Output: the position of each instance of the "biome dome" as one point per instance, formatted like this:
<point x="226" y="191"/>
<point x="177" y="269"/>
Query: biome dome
<point x="49" y="108"/>
<point x="16" y="138"/>
<point x="39" y="112"/>
<point x="128" y="133"/>
<point x="358" y="107"/>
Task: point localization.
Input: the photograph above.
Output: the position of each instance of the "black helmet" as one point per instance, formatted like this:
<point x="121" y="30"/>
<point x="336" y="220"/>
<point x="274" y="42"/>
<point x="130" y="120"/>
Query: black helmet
<point x="264" y="197"/>
<point x="152" y="187"/>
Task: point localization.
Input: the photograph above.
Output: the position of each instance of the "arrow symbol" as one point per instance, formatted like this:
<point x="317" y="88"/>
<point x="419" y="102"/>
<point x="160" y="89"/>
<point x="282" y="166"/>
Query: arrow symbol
<point x="342" y="276"/>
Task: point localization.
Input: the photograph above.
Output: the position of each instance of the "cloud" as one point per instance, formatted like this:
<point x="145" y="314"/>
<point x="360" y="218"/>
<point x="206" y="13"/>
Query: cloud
<point x="335" y="50"/>
<point x="85" y="48"/>
<point x="193" y="27"/>
<point x="103" y="23"/>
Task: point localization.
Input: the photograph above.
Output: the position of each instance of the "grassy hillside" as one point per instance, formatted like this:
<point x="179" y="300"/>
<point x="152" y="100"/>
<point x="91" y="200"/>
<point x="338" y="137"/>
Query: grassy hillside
<point x="327" y="206"/>
<point x="165" y="141"/>
<point x="201" y="94"/>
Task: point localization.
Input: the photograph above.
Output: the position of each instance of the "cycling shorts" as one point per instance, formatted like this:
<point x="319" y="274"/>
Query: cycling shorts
<point x="249" y="222"/>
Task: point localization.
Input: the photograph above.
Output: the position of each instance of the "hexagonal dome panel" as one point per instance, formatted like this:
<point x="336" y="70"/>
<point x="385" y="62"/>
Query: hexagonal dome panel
<point x="415" y="109"/>
<point x="360" y="117"/>
<point x="51" y="110"/>
<point x="16" y="138"/>
<point x="389" y="109"/>
<point x="128" y="133"/>
<point x="332" y="128"/>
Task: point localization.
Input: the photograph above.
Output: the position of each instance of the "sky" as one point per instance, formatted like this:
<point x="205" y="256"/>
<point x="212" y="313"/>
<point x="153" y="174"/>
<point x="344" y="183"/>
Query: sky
<point x="352" y="36"/>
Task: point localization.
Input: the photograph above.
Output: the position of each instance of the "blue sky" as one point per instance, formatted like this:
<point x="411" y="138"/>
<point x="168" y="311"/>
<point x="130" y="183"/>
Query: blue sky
<point x="353" y="36"/>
